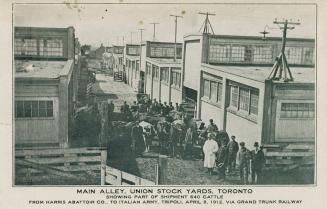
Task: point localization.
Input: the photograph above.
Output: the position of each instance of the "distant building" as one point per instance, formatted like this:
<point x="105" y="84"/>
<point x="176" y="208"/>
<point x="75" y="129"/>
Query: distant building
<point x="99" y="52"/>
<point x="162" y="78"/>
<point x="118" y="54"/>
<point x="226" y="77"/>
<point x="46" y="81"/>
<point x="132" y="66"/>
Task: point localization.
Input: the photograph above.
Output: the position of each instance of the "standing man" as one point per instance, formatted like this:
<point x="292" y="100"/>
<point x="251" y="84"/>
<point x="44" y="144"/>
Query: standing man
<point x="134" y="107"/>
<point x="210" y="148"/>
<point x="212" y="127"/>
<point x="222" y="161"/>
<point x="171" y="107"/>
<point x="258" y="161"/>
<point x="244" y="160"/>
<point x="111" y="107"/>
<point x="137" y="139"/>
<point x="124" y="109"/>
<point x="165" y="109"/>
<point x="190" y="138"/>
<point x="174" y="139"/>
<point x="232" y="148"/>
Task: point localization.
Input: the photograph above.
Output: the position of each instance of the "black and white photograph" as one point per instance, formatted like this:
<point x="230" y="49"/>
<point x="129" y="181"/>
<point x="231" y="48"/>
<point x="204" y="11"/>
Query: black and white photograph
<point x="164" y="94"/>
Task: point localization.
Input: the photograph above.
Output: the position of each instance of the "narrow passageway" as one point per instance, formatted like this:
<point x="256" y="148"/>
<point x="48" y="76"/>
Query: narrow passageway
<point x="105" y="88"/>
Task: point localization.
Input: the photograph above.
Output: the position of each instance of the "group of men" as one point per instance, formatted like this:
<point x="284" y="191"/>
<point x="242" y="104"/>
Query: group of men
<point x="163" y="109"/>
<point x="178" y="140"/>
<point x="224" y="154"/>
<point x="148" y="106"/>
<point x="175" y="140"/>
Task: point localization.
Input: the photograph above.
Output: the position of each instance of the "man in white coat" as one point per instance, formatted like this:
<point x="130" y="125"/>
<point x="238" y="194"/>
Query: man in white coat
<point x="210" y="148"/>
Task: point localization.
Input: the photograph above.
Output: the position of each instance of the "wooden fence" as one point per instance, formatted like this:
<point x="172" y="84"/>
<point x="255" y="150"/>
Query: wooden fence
<point x="66" y="162"/>
<point x="60" y="161"/>
<point x="114" y="176"/>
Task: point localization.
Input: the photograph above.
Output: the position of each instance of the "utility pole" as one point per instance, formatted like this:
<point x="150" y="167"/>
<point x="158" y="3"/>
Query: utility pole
<point x="176" y="16"/>
<point x="206" y="24"/>
<point x="154" y="29"/>
<point x="132" y="37"/>
<point x="281" y="66"/>
<point x="141" y="31"/>
<point x="139" y="73"/>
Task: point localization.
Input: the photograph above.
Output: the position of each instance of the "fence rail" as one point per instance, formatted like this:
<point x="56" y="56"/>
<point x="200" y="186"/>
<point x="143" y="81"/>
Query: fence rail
<point x="114" y="176"/>
<point x="66" y="161"/>
<point x="60" y="161"/>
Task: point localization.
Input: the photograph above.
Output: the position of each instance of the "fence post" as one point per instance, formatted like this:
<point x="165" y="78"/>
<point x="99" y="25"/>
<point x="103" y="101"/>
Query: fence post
<point x="103" y="166"/>
<point x="163" y="162"/>
<point x="119" y="178"/>
<point x="156" y="168"/>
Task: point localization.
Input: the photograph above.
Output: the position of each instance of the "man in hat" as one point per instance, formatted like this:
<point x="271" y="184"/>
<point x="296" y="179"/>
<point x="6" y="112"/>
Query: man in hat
<point x="212" y="127"/>
<point x="174" y="139"/>
<point x="222" y="160"/>
<point x="210" y="148"/>
<point x="171" y="107"/>
<point x="244" y="161"/>
<point x="138" y="140"/>
<point x="232" y="148"/>
<point x="258" y="161"/>
<point x="190" y="138"/>
<point x="165" y="109"/>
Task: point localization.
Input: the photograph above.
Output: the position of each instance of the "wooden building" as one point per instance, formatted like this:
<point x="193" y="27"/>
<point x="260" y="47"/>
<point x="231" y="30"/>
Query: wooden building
<point x="46" y="70"/>
<point x="162" y="78"/>
<point x="226" y="76"/>
<point x="132" y="66"/>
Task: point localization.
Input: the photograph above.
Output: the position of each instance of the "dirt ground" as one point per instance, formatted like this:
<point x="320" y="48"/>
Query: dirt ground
<point x="51" y="179"/>
<point x="192" y="172"/>
<point x="182" y="172"/>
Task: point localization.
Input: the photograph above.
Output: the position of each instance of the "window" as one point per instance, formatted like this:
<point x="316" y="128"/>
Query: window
<point x="148" y="68"/>
<point x="25" y="46"/>
<point x="133" y="50"/>
<point x="244" y="98"/>
<point x="51" y="47"/>
<point x="155" y="72"/>
<point x="33" y="109"/>
<point x="206" y="88"/>
<point x="262" y="54"/>
<point x="213" y="91"/>
<point x="293" y="55"/>
<point x="133" y="65"/>
<point x="234" y="96"/>
<point x="254" y="101"/>
<point x="219" y="53"/>
<point x="220" y="92"/>
<point x="137" y="65"/>
<point x="165" y="51"/>
<point x="165" y="74"/>
<point x="257" y="53"/>
<point x="297" y="110"/>
<point x="176" y="79"/>
<point x="307" y="55"/>
<point x="238" y="53"/>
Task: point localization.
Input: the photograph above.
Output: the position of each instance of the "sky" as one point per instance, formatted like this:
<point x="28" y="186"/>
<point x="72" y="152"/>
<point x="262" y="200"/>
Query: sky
<point x="108" y="23"/>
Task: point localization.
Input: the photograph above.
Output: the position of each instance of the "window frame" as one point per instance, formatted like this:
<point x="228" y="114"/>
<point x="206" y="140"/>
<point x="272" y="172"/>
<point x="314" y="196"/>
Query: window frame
<point x="251" y="94"/>
<point x="307" y="111"/>
<point x="46" y="109"/>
